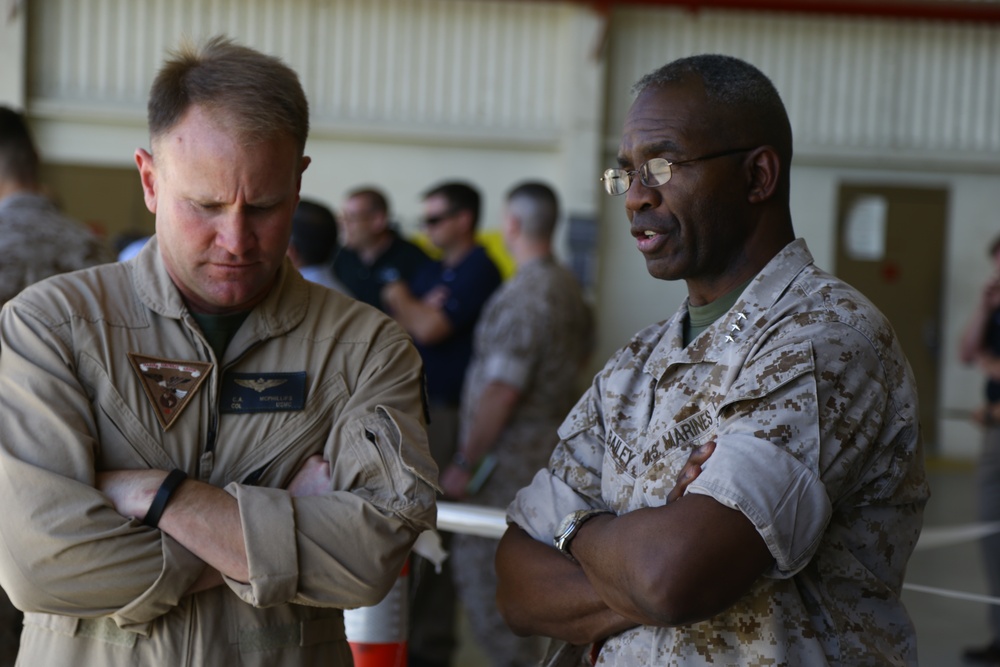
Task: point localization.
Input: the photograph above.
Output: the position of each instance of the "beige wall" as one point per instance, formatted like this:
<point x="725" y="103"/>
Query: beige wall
<point x="12" y="54"/>
<point x="409" y="92"/>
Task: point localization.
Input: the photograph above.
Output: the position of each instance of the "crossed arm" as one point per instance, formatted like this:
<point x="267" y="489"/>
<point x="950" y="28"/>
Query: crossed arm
<point x="203" y="518"/>
<point x="655" y="566"/>
<point x="424" y="319"/>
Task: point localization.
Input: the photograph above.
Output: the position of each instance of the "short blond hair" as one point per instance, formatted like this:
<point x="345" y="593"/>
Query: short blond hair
<point x="257" y="94"/>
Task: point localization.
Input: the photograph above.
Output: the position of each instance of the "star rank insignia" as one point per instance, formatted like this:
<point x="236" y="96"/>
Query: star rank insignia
<point x="169" y="384"/>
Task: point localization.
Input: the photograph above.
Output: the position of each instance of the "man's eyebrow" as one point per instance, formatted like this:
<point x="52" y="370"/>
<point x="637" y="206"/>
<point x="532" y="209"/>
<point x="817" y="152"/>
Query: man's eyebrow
<point x="657" y="148"/>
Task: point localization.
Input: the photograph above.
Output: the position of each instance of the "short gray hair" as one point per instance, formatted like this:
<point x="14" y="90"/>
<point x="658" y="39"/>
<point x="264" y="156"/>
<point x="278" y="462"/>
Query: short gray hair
<point x="734" y="85"/>
<point x="536" y="207"/>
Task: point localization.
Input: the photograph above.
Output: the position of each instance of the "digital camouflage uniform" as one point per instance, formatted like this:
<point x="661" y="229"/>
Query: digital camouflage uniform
<point x="37" y="241"/>
<point x="813" y="407"/>
<point x="535" y="334"/>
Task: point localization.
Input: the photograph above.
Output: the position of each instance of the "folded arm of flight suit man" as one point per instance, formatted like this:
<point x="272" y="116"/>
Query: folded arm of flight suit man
<point x="63" y="547"/>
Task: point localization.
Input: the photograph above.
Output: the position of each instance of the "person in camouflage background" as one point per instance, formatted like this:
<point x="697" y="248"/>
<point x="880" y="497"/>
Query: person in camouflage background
<point x="790" y="546"/>
<point x="531" y="343"/>
<point x="36" y="240"/>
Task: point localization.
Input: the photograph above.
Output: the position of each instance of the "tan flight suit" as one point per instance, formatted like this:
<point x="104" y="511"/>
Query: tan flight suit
<point x="93" y="365"/>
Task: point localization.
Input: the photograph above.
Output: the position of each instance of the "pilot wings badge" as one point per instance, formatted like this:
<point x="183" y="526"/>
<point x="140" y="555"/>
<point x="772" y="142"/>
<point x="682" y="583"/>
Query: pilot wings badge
<point x="169" y="384"/>
<point x="259" y="385"/>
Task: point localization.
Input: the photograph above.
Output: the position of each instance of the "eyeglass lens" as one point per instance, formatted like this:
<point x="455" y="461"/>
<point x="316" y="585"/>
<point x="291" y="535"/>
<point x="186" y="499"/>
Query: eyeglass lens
<point x="653" y="174"/>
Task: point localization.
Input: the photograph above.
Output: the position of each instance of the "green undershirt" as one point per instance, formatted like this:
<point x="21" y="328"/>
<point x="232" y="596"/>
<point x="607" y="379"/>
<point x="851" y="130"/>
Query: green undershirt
<point x="701" y="318"/>
<point x="219" y="329"/>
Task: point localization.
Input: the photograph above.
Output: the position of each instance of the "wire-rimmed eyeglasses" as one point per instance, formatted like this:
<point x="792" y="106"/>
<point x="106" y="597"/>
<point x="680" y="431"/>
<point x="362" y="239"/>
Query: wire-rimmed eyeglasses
<point x="653" y="173"/>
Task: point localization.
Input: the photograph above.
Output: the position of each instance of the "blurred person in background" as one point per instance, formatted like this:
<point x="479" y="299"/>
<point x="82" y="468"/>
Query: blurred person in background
<point x="980" y="347"/>
<point x="373" y="253"/>
<point x="313" y="243"/>
<point x="531" y="343"/>
<point x="36" y="239"/>
<point x="439" y="308"/>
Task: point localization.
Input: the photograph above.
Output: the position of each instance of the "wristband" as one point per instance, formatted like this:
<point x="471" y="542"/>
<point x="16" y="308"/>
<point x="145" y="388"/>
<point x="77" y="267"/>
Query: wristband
<point x="462" y="463"/>
<point x="174" y="479"/>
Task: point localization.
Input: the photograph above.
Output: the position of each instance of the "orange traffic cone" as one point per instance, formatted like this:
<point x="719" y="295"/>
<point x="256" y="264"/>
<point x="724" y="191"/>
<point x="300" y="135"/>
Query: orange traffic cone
<point x="377" y="635"/>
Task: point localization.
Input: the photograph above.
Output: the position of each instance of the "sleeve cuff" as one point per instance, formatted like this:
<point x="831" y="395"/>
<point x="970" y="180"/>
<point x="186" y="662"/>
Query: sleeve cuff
<point x="539" y="507"/>
<point x="268" y="520"/>
<point x="181" y="569"/>
<point x="786" y="501"/>
<point x="509" y="369"/>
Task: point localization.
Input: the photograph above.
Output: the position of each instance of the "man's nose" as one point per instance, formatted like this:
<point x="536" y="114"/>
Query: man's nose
<point x="639" y="196"/>
<point x="234" y="232"/>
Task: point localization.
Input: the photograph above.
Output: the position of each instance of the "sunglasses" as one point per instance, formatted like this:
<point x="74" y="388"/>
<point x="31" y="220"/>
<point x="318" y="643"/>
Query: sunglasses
<point x="432" y="220"/>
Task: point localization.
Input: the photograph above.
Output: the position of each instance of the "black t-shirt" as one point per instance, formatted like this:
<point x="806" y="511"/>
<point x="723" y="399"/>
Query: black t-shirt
<point x="400" y="261"/>
<point x="993" y="343"/>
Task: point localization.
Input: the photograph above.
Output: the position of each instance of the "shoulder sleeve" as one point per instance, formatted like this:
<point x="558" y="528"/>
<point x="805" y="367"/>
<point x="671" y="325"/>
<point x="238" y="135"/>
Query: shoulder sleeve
<point x="572" y="480"/>
<point x="807" y="425"/>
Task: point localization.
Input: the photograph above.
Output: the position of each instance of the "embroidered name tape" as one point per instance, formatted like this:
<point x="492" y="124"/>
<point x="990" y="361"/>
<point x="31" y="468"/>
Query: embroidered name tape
<point x="263" y="392"/>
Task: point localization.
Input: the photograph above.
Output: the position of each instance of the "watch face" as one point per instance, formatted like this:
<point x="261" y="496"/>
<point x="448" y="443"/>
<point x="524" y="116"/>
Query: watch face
<point x="566" y="524"/>
<point x="567" y="529"/>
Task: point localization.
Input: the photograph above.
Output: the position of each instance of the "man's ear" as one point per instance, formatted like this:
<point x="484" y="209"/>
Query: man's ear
<point x="380" y="223"/>
<point x="147" y="176"/>
<point x="764" y="173"/>
<point x="467" y="221"/>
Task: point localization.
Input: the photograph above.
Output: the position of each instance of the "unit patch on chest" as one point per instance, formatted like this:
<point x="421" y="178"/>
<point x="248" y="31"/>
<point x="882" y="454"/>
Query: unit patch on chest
<point x="169" y="384"/>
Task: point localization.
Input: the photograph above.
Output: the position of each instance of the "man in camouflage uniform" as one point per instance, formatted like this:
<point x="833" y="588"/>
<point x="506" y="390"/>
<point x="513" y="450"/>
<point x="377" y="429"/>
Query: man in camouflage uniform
<point x="790" y="546"/>
<point x="530" y="345"/>
<point x="36" y="240"/>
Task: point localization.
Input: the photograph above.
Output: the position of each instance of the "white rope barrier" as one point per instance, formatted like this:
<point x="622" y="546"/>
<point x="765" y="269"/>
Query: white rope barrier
<point x="471" y="519"/>
<point x="492" y="522"/>
<point x="958" y="595"/>
<point x="946" y="536"/>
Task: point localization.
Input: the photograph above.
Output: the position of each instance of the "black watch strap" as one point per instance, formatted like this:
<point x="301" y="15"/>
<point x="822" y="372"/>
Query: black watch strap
<point x="174" y="479"/>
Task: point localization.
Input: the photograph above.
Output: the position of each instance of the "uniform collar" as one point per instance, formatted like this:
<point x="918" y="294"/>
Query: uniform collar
<point x="283" y="309"/>
<point x="740" y="323"/>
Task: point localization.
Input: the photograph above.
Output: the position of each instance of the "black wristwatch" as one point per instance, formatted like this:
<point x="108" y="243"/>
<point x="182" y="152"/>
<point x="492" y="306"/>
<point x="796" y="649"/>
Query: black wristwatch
<point x="570" y="526"/>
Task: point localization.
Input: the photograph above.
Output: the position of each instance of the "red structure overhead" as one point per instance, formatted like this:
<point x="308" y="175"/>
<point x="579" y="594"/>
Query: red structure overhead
<point x="972" y="11"/>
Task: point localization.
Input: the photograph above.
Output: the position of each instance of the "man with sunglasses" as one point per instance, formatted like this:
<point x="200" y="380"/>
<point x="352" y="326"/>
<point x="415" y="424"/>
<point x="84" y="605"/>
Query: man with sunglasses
<point x="440" y="308"/>
<point x="790" y="546"/>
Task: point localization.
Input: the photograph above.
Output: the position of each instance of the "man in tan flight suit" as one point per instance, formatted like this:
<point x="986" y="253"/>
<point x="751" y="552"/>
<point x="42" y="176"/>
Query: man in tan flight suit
<point x="206" y="458"/>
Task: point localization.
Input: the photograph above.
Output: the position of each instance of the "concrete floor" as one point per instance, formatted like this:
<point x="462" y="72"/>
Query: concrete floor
<point x="944" y="625"/>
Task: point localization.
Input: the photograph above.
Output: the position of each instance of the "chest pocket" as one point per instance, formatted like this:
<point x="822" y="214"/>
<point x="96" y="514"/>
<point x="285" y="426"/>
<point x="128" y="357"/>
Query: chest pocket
<point x="294" y="436"/>
<point x="771" y="371"/>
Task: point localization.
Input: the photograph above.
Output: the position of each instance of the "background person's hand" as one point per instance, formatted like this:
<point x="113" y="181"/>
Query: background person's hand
<point x="454" y="481"/>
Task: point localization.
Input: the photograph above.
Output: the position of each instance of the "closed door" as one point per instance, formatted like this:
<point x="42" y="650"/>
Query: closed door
<point x="890" y="246"/>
